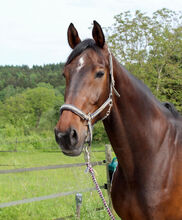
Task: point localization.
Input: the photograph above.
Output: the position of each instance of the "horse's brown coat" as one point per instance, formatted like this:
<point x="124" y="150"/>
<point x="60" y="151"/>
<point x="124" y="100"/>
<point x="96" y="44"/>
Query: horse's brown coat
<point x="146" y="137"/>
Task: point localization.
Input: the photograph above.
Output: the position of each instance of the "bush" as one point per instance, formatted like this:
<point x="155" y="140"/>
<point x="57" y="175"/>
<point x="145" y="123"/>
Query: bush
<point x="99" y="133"/>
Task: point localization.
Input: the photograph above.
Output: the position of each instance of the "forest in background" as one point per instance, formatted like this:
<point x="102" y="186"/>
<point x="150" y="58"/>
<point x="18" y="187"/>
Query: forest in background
<point x="149" y="47"/>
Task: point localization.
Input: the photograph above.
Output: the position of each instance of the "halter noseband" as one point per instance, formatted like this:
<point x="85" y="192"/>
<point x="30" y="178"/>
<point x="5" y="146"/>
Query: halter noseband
<point x="88" y="117"/>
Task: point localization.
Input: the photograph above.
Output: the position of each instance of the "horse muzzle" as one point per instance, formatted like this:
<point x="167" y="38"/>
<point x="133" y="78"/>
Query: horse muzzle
<point x="69" y="141"/>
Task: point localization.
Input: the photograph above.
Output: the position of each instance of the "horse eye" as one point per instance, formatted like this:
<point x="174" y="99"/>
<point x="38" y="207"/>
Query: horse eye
<point x="99" y="74"/>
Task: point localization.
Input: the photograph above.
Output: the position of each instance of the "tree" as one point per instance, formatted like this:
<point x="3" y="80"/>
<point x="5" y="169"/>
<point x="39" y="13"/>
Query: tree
<point x="40" y="99"/>
<point x="26" y="109"/>
<point x="25" y="77"/>
<point x="129" y="37"/>
<point x="9" y="91"/>
<point x="150" y="47"/>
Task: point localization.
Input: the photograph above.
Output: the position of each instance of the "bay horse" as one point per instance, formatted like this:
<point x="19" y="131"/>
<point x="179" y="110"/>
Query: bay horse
<point x="145" y="134"/>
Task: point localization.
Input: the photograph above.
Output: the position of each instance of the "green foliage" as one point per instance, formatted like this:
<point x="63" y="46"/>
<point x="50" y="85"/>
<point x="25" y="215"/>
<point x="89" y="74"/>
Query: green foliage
<point x="12" y="138"/>
<point x="99" y="134"/>
<point x="26" y="109"/>
<point x="9" y="91"/>
<point x="30" y="98"/>
<point x="128" y="37"/>
<point x="9" y="131"/>
<point x="150" y="47"/>
<point x="22" y="77"/>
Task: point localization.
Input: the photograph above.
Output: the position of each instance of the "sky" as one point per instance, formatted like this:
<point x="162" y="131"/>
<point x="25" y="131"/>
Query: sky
<point x="34" y="32"/>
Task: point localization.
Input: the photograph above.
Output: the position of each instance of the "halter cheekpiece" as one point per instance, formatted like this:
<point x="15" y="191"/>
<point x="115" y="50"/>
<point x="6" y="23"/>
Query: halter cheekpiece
<point x="88" y="117"/>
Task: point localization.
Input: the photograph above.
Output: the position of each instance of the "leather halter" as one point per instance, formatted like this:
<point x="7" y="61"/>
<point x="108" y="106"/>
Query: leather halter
<point x="88" y="117"/>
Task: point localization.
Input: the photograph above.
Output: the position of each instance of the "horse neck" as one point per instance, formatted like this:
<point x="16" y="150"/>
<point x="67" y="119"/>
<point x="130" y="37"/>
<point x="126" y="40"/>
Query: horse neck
<point x="134" y="122"/>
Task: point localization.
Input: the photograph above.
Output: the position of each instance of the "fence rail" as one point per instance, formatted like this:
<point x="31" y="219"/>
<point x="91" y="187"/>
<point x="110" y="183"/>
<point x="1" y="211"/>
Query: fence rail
<point x="46" y="150"/>
<point x="52" y="196"/>
<point x="50" y="167"/>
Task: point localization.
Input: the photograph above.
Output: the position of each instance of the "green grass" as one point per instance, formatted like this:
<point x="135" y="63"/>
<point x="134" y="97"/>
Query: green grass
<point x="40" y="183"/>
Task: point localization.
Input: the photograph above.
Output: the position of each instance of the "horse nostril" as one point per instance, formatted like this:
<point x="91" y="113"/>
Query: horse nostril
<point x="68" y="138"/>
<point x="57" y="135"/>
<point x="73" y="136"/>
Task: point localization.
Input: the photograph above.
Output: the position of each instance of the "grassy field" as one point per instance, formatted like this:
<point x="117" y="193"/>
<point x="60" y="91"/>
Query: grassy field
<point x="40" y="183"/>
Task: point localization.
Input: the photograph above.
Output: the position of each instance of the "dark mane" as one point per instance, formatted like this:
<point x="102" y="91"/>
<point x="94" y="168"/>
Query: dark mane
<point x="88" y="43"/>
<point x="171" y="108"/>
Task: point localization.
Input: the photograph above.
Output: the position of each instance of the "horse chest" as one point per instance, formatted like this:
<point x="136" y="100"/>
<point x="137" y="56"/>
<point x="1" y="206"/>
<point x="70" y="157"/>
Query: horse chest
<point x="144" y="204"/>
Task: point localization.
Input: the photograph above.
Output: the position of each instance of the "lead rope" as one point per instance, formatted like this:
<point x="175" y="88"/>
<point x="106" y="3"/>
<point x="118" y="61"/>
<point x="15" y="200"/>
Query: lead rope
<point x="87" y="154"/>
<point x="91" y="171"/>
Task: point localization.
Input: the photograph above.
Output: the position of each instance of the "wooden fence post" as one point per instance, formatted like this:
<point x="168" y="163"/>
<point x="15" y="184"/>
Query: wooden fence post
<point x="108" y="161"/>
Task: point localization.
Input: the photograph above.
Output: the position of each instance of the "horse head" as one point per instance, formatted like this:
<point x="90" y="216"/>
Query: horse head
<point x="87" y="74"/>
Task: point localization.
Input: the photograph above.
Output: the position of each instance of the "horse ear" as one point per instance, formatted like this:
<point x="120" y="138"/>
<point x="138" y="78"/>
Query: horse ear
<point x="98" y="34"/>
<point x="73" y="37"/>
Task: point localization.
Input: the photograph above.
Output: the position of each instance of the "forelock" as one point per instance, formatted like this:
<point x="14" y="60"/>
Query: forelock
<point x="82" y="46"/>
